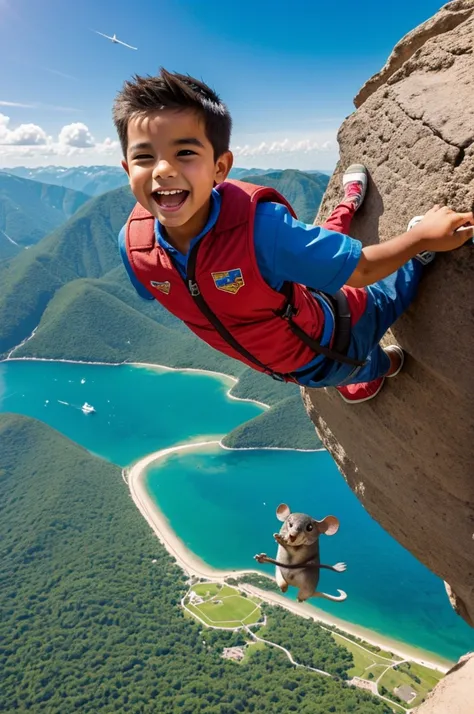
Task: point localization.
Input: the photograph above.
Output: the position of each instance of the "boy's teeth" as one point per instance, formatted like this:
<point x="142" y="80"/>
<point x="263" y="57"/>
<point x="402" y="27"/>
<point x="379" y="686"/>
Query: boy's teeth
<point x="170" y="198"/>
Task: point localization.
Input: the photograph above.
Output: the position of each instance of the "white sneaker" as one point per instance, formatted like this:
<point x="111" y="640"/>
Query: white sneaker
<point x="354" y="182"/>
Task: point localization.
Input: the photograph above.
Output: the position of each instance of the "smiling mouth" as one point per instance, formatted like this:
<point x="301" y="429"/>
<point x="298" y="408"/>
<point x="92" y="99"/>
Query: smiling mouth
<point x="171" y="199"/>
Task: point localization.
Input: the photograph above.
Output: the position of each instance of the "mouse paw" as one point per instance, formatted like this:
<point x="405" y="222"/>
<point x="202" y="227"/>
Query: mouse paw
<point x="260" y="557"/>
<point x="279" y="539"/>
<point x="340" y="567"/>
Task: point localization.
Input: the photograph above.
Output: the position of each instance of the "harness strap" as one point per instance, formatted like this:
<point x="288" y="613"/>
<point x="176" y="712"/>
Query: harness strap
<point x="338" y="303"/>
<point x="199" y="301"/>
<point x="342" y="326"/>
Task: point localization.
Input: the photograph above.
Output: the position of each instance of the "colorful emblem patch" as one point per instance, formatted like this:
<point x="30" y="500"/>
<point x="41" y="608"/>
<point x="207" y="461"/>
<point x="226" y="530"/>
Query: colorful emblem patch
<point x="230" y="281"/>
<point x="163" y="287"/>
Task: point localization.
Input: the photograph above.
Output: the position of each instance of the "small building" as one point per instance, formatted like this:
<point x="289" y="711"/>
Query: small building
<point x="195" y="599"/>
<point x="235" y="653"/>
<point x="405" y="692"/>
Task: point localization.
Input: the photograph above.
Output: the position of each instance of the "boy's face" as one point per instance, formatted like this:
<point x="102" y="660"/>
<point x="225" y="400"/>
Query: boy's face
<point x="169" y="151"/>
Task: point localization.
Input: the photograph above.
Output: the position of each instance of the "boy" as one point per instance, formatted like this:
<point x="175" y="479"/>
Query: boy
<point x="302" y="303"/>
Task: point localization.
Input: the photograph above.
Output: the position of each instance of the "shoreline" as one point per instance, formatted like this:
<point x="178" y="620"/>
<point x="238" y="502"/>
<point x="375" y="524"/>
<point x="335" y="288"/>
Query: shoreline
<point x="150" y="365"/>
<point x="235" y="381"/>
<point x="164" y="368"/>
<point x="193" y="565"/>
<point x="190" y="563"/>
<point x="222" y="375"/>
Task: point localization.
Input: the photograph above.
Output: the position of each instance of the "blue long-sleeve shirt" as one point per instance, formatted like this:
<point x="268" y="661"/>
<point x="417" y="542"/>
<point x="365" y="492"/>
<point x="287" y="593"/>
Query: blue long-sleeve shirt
<point x="286" y="250"/>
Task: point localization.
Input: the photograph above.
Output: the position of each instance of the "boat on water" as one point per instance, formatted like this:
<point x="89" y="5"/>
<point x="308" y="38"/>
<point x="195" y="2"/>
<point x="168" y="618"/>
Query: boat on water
<point x="88" y="408"/>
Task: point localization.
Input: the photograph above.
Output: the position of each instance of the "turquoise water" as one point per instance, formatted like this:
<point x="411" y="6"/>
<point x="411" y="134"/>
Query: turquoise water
<point x="222" y="503"/>
<point x="139" y="410"/>
<point x="231" y="497"/>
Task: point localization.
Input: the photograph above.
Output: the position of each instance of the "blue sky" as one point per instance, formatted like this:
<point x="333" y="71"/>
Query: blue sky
<point x="287" y="70"/>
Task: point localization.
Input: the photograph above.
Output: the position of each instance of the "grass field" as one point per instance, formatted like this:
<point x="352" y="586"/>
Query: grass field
<point x="370" y="662"/>
<point x="224" y="606"/>
<point x="405" y="675"/>
<point x="206" y="589"/>
<point x="364" y="662"/>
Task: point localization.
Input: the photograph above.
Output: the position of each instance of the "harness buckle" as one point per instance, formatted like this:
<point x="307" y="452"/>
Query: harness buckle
<point x="288" y="311"/>
<point x="193" y="288"/>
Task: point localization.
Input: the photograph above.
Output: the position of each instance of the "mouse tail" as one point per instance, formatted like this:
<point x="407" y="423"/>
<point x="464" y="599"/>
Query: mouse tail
<point x="335" y="598"/>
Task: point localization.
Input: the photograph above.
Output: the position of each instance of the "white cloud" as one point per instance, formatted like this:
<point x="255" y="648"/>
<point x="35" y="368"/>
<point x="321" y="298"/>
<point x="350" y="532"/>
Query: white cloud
<point x="16" y="104"/>
<point x="23" y="135"/>
<point x="38" y="105"/>
<point x="59" y="74"/>
<point x="108" y="146"/>
<point x="282" y="147"/>
<point x="31" y="141"/>
<point x="76" y="134"/>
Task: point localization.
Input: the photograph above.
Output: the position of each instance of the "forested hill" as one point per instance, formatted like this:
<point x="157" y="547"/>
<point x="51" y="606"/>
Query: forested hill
<point x="30" y="210"/>
<point x="92" y="621"/>
<point x="84" y="246"/>
<point x="304" y="191"/>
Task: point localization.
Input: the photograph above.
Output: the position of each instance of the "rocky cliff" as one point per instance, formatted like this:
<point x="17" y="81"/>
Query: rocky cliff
<point x="409" y="455"/>
<point x="454" y="694"/>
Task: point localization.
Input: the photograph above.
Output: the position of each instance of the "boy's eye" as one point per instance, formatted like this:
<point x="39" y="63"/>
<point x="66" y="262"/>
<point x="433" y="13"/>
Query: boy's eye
<point x="186" y="152"/>
<point x="142" y="157"/>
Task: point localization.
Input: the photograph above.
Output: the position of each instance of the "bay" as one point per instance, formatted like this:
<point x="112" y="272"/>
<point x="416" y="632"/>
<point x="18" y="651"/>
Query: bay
<point x="222" y="503"/>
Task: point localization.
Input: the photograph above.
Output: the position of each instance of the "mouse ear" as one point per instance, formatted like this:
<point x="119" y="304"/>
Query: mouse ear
<point x="282" y="512"/>
<point x="329" y="525"/>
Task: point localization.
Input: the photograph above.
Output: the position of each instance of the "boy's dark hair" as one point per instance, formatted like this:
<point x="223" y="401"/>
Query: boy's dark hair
<point x="170" y="90"/>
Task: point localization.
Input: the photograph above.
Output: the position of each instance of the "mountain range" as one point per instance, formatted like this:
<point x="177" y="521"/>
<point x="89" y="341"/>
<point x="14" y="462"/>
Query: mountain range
<point x="29" y="210"/>
<point x="94" y="180"/>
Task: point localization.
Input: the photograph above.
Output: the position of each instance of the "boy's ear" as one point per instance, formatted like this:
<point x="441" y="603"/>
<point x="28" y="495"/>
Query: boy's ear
<point x="125" y="167"/>
<point x="223" y="166"/>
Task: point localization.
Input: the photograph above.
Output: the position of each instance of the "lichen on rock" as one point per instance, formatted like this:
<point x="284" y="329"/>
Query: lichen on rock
<point x="412" y="447"/>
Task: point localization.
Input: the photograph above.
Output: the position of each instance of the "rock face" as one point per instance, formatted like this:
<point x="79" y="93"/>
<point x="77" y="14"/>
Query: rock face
<point x="453" y="695"/>
<point x="409" y="454"/>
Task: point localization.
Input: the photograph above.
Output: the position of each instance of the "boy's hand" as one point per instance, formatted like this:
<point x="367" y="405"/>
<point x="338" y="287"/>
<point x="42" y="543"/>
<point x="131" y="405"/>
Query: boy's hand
<point x="443" y="229"/>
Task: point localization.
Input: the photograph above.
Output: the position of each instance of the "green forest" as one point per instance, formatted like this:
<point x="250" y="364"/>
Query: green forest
<point x="29" y="210"/>
<point x="90" y="624"/>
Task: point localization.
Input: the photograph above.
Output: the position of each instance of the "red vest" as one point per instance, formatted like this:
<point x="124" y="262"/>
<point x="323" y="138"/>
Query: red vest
<point x="230" y="282"/>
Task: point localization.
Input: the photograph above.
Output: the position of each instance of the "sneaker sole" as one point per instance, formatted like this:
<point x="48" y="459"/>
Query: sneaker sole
<point x="355" y="172"/>
<point x="398" y="350"/>
<point x="365" y="399"/>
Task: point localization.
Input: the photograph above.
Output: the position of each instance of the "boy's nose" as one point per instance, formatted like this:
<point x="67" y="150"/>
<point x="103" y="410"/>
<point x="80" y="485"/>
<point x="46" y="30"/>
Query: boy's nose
<point x="164" y="169"/>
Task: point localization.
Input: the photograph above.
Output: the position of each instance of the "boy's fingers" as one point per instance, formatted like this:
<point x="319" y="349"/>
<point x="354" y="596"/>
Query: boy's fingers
<point x="463" y="219"/>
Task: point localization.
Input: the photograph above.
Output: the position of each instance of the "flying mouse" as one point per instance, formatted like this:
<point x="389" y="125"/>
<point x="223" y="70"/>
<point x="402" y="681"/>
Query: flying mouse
<point x="298" y="553"/>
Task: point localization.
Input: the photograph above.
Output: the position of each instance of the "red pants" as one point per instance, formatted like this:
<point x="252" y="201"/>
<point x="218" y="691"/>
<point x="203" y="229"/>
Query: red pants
<point x="340" y="221"/>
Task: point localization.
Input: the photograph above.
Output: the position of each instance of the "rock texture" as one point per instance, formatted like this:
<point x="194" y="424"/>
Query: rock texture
<point x="454" y="694"/>
<point x="409" y="454"/>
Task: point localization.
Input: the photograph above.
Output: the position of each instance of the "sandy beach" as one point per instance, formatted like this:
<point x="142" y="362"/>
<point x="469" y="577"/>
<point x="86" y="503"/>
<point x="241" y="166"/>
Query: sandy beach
<point x="230" y="381"/>
<point x="135" y="477"/>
